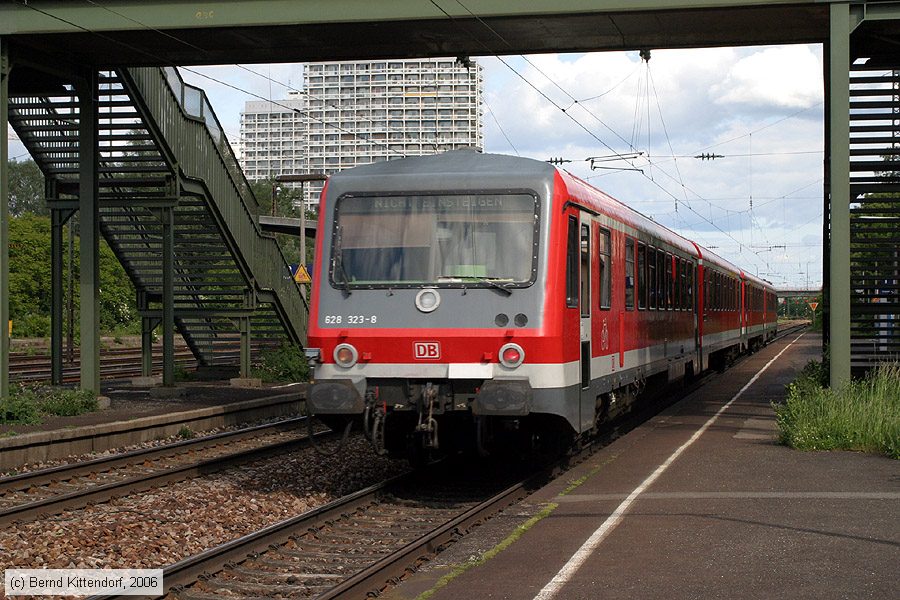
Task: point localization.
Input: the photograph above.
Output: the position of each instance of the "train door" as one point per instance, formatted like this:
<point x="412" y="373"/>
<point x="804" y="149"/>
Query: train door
<point x="744" y="313"/>
<point x="694" y="307"/>
<point x="585" y="262"/>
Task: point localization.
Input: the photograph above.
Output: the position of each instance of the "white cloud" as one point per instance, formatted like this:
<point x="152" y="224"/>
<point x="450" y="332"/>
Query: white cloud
<point x="784" y="76"/>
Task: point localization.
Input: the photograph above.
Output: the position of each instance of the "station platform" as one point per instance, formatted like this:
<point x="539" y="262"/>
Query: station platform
<point x="701" y="501"/>
<point x="139" y="414"/>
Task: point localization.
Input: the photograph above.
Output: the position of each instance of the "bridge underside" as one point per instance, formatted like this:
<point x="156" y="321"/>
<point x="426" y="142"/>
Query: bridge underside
<point x="862" y="203"/>
<point x="443" y="36"/>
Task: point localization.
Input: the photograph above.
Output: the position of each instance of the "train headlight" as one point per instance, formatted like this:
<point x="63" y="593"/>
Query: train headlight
<point x="511" y="355"/>
<point x="427" y="300"/>
<point x="345" y="355"/>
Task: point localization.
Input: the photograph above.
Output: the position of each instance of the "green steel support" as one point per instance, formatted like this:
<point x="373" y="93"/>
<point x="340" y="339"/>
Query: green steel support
<point x="245" y="347"/>
<point x="167" y="216"/>
<point x="58" y="220"/>
<point x="244" y="326"/>
<point x="147" y="326"/>
<point x="839" y="183"/>
<point x="5" y="68"/>
<point x="89" y="219"/>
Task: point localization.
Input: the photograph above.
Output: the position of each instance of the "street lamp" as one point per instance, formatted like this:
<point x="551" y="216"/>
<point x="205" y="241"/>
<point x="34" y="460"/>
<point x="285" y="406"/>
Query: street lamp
<point x="275" y="191"/>
<point x="301" y="179"/>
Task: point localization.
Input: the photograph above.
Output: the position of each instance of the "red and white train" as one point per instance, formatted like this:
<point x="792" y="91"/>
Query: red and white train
<point x="467" y="298"/>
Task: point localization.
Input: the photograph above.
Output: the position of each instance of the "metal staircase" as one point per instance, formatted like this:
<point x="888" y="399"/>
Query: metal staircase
<point x="162" y="148"/>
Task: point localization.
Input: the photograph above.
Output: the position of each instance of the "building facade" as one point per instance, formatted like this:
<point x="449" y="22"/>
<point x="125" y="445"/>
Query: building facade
<point x="273" y="137"/>
<point x="354" y="113"/>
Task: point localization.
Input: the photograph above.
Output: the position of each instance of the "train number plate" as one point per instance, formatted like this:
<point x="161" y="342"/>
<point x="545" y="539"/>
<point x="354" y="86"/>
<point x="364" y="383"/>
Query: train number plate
<point x="427" y="350"/>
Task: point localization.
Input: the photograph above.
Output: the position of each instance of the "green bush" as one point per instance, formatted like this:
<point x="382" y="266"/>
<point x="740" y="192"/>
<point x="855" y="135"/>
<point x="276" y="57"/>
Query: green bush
<point x="861" y="415"/>
<point x="286" y="363"/>
<point x="28" y="405"/>
<point x="31" y="325"/>
<point x="67" y="403"/>
<point x="15" y="409"/>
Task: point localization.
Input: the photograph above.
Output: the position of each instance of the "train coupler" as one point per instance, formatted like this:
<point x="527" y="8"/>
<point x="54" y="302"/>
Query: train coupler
<point x="427" y="426"/>
<point x="374" y="419"/>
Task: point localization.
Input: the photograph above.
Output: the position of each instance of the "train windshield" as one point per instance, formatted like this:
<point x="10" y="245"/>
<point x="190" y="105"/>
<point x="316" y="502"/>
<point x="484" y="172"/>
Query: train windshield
<point x="444" y="240"/>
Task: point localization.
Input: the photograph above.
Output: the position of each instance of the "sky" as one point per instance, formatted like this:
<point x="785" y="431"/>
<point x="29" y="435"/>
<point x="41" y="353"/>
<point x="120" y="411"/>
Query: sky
<point x="758" y="109"/>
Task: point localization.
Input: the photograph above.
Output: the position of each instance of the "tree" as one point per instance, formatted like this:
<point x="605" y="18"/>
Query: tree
<point x="29" y="280"/>
<point x="26" y="188"/>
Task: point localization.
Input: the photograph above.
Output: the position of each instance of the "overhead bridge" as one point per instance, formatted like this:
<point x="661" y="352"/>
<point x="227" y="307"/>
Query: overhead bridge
<point x="172" y="203"/>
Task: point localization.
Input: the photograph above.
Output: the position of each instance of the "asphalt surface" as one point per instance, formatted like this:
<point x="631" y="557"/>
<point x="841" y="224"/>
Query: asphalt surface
<point x="734" y="515"/>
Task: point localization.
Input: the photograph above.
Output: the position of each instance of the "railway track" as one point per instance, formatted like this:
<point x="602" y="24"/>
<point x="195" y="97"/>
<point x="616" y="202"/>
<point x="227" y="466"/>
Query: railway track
<point x="53" y="490"/>
<point x="114" y="364"/>
<point x="353" y="546"/>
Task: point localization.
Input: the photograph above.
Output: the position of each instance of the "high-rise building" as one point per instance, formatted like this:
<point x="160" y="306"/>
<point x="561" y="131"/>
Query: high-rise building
<point x="356" y="112"/>
<point x="272" y="137"/>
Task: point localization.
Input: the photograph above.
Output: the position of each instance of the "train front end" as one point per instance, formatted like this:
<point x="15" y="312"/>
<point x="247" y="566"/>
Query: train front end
<point x="427" y="322"/>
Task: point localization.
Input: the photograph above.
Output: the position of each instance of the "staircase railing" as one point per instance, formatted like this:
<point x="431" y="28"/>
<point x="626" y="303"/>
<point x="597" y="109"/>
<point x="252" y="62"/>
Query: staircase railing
<point x="195" y="138"/>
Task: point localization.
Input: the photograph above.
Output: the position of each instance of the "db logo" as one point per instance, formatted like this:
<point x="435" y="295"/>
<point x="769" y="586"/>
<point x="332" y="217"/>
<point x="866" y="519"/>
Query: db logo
<point x="427" y="350"/>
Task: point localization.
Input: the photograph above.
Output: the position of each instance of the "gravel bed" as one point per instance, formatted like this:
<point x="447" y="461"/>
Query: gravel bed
<point x="159" y="442"/>
<point x="157" y="528"/>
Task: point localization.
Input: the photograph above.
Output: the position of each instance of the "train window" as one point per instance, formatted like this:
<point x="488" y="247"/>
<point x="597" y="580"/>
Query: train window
<point x="733" y="294"/>
<point x="604" y="267"/>
<point x="661" y="279"/>
<point x="642" y="276"/>
<point x="467" y="240"/>
<point x="730" y="293"/>
<point x="572" y="265"/>
<point x="705" y="290"/>
<point x="726" y="291"/>
<point x="629" y="274"/>
<point x="720" y="290"/>
<point x="717" y="288"/>
<point x="669" y="281"/>
<point x="651" y="275"/>
<point x="692" y="277"/>
<point x="676" y="274"/>
<point x="585" y="270"/>
<point x="682" y="284"/>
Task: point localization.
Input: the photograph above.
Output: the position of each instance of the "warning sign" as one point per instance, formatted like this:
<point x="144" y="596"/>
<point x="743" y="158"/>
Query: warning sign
<point x="813" y="305"/>
<point x="301" y="275"/>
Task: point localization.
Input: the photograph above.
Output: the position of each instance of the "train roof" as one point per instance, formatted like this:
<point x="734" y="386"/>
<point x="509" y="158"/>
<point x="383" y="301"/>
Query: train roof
<point x="443" y="171"/>
<point x="434" y="168"/>
<point x="607" y="204"/>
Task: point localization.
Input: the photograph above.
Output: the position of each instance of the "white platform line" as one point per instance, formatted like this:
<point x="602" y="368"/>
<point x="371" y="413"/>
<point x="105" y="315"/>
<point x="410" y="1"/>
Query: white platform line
<point x="581" y="555"/>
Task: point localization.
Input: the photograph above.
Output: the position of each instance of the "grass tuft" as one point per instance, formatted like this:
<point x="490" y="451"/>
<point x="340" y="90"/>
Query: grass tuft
<point x="861" y="415"/>
<point x="28" y="405"/>
<point x="285" y="363"/>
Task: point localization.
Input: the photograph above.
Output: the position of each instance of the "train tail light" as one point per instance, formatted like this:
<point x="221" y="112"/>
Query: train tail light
<point x="345" y="355"/>
<point x="511" y="355"/>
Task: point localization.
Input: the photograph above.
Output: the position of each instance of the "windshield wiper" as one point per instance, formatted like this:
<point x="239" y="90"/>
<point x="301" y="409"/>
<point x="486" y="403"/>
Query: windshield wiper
<point x="338" y="263"/>
<point x="494" y="284"/>
<point x="344" y="281"/>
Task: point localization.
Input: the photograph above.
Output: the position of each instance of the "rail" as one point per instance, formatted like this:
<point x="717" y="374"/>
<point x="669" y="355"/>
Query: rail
<point x="102" y="479"/>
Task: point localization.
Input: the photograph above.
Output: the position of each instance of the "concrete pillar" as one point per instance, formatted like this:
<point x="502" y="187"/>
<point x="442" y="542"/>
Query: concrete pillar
<point x="5" y="68"/>
<point x="89" y="219"/>
<point x="839" y="184"/>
